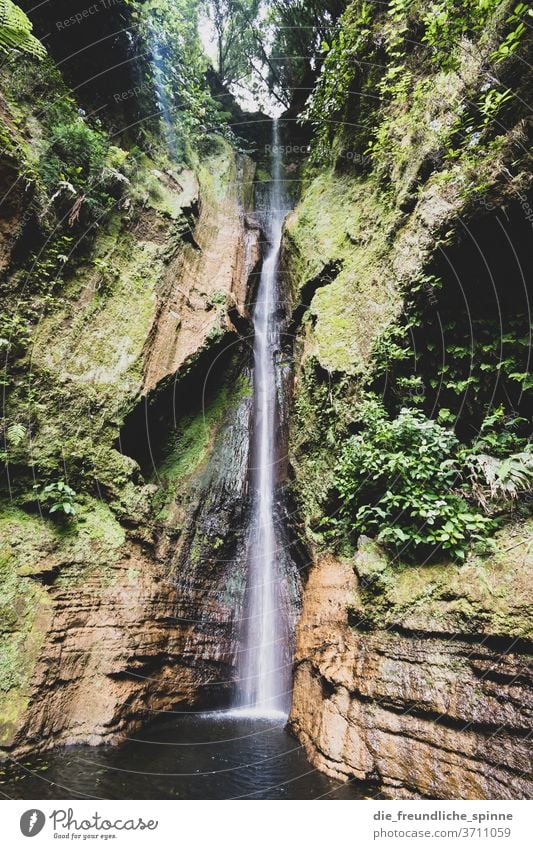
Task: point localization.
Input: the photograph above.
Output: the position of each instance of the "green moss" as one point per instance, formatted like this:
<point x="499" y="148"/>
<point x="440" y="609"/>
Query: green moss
<point x="40" y="546"/>
<point x="345" y="223"/>
<point x="488" y="595"/>
<point x="217" y="172"/>
<point x="159" y="186"/>
<point x="24" y="613"/>
<point x="87" y="357"/>
<point x="191" y="444"/>
<point x="106" y="333"/>
<point x="37" y="548"/>
<point x="87" y="348"/>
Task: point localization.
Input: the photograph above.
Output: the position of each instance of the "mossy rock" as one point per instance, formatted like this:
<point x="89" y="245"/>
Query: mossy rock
<point x="488" y="595"/>
<point x="345" y="224"/>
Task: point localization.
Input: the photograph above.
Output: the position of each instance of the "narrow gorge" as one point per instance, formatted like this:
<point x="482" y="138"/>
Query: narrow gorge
<point x="265" y="510"/>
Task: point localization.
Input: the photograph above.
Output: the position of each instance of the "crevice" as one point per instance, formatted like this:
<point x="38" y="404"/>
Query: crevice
<point x="307" y="293"/>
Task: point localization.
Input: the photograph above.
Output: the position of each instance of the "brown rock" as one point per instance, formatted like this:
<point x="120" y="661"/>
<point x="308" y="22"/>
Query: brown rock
<point x="418" y="714"/>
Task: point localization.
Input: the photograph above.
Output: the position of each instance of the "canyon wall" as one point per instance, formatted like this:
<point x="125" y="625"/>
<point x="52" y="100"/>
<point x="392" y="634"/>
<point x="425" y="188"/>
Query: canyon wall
<point x="135" y="386"/>
<point x="413" y="678"/>
<point x="419" y="684"/>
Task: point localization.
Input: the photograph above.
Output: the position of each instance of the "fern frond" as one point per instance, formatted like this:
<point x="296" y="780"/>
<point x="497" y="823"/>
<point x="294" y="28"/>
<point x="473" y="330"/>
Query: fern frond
<point x="16" y="32"/>
<point x="495" y="479"/>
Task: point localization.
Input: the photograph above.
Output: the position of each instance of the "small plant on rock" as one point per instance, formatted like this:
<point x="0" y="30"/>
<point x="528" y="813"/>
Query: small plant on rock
<point x="58" y="497"/>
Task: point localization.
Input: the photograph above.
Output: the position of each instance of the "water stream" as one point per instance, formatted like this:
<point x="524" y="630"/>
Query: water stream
<point x="244" y="752"/>
<point x="265" y="653"/>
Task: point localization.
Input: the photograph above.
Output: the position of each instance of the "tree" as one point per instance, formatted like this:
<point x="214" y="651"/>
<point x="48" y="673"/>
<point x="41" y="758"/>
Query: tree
<point x="242" y="36"/>
<point x="235" y="29"/>
<point x="299" y="29"/>
<point x="178" y="65"/>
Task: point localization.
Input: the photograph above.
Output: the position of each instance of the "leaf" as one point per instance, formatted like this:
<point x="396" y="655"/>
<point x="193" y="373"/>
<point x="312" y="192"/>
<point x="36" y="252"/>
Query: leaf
<point x="16" y="434"/>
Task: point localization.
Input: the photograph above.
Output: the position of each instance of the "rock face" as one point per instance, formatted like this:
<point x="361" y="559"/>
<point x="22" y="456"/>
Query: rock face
<point x="421" y="688"/>
<point x="208" y="559"/>
<point x="129" y="611"/>
<point x="108" y="656"/>
<point x="210" y="271"/>
<point x="415" y="679"/>
<point x="105" y="628"/>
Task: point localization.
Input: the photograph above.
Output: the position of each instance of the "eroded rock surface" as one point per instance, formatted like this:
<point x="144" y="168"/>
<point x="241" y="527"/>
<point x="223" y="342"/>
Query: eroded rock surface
<point x="208" y="277"/>
<point x="128" y="612"/>
<point x="435" y="705"/>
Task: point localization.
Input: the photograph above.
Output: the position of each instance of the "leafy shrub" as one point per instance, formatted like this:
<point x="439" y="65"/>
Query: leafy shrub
<point x="78" y="146"/>
<point x="398" y="479"/>
<point x="499" y="434"/>
<point x="511" y="42"/>
<point x="57" y="497"/>
<point x="79" y="171"/>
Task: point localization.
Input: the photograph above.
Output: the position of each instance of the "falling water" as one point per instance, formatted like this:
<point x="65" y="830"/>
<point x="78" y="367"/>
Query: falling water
<point x="264" y="667"/>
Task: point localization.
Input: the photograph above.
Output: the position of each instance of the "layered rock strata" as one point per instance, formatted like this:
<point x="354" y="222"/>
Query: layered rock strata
<point x="422" y="686"/>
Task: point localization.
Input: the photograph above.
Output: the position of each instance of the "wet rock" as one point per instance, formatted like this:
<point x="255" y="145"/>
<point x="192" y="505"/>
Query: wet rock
<point x="211" y="271"/>
<point x="433" y="712"/>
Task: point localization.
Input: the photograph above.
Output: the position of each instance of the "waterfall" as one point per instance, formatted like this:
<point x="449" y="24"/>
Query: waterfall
<point x="266" y="647"/>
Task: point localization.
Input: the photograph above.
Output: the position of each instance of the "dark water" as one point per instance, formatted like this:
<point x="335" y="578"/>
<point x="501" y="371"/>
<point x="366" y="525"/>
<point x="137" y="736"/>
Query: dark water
<point x="204" y="756"/>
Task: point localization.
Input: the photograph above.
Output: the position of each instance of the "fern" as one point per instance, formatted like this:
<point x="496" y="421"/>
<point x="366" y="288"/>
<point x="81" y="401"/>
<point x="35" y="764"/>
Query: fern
<point x="494" y="479"/>
<point x="514" y="475"/>
<point x="16" y="434"/>
<point x="16" y="32"/>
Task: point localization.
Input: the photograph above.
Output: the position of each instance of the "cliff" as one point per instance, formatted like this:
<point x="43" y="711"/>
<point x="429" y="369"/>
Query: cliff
<point x="106" y="329"/>
<point x="419" y="683"/>
<point x="412" y="676"/>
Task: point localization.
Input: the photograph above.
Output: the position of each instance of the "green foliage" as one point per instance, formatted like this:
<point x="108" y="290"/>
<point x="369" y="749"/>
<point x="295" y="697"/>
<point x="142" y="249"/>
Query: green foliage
<point x="491" y="102"/>
<point x="513" y="39"/>
<point x="16" y="434"/>
<point x="16" y="32"/>
<point x="45" y="270"/>
<point x="238" y="39"/>
<point x="499" y="462"/>
<point x="398" y="479"/>
<point x="77" y="172"/>
<point x="382" y="64"/>
<point x="14" y="335"/>
<point x="58" y="497"/>
<point x="300" y="32"/>
<point x="352" y="43"/>
<point x="437" y="359"/>
<point x="79" y="146"/>
<point x="446" y="22"/>
<point x="499" y="434"/>
<point x="188" y="109"/>
<point x="443" y="366"/>
<point x="495" y="481"/>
